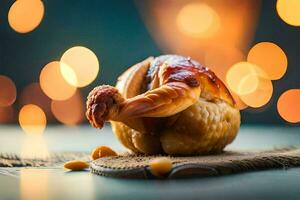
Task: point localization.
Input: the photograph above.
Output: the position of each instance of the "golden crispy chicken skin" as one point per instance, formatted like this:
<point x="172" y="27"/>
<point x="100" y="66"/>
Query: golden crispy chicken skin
<point x="169" y="104"/>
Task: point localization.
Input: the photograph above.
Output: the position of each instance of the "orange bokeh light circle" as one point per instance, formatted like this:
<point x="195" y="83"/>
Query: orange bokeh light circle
<point x="250" y="83"/>
<point x="270" y="58"/>
<point x="198" y="20"/>
<point x="288" y="11"/>
<point x="32" y="119"/>
<point x="288" y="105"/>
<point x="243" y="78"/>
<point x="8" y="91"/>
<point x="25" y="15"/>
<point x="33" y="94"/>
<point x="53" y="84"/>
<point x="70" y="111"/>
<point x="261" y="95"/>
<point x="79" y="66"/>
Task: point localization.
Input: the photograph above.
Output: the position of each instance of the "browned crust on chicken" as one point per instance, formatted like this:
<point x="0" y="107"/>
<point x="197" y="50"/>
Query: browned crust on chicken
<point x="170" y="104"/>
<point x="101" y="103"/>
<point x="184" y="69"/>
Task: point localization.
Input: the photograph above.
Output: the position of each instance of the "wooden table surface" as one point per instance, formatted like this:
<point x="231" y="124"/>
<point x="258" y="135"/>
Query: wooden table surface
<point x="56" y="183"/>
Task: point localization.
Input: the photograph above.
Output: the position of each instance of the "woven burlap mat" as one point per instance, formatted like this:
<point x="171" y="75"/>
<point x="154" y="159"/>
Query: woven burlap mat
<point x="137" y="166"/>
<point x="229" y="162"/>
<point x="55" y="159"/>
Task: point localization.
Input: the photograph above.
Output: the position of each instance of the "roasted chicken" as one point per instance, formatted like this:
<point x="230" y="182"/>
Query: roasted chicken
<point x="169" y="104"/>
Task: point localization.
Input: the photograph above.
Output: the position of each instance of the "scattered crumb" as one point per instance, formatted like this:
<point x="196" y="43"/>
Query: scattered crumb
<point x="102" y="151"/>
<point x="160" y="166"/>
<point x="76" y="165"/>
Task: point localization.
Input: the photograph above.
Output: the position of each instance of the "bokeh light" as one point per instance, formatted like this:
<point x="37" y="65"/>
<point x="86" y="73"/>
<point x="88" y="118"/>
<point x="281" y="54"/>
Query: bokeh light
<point x="34" y="184"/>
<point x="198" y="20"/>
<point x="220" y="59"/>
<point x="33" y="94"/>
<point x="269" y="57"/>
<point x="243" y="78"/>
<point x="79" y="66"/>
<point x="288" y="105"/>
<point x="69" y="74"/>
<point x="53" y="84"/>
<point x="25" y="15"/>
<point x="288" y="10"/>
<point x="70" y="111"/>
<point x="32" y="119"/>
<point x="237" y="22"/>
<point x="248" y="84"/>
<point x="261" y="95"/>
<point x="8" y="91"/>
<point x="6" y="114"/>
<point x="238" y="101"/>
<point x="34" y="146"/>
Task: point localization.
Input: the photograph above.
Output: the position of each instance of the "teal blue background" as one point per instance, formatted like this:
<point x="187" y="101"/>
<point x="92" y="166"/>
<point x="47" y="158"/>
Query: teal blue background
<point x="115" y="31"/>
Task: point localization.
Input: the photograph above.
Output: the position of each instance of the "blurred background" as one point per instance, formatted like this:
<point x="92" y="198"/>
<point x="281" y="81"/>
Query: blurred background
<point x="52" y="53"/>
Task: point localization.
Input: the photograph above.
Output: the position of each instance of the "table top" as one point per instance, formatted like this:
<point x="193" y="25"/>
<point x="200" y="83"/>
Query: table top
<point x="56" y="183"/>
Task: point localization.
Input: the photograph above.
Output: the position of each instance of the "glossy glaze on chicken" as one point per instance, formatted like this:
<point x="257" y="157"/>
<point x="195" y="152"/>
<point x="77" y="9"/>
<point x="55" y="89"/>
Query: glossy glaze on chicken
<point x="170" y="104"/>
